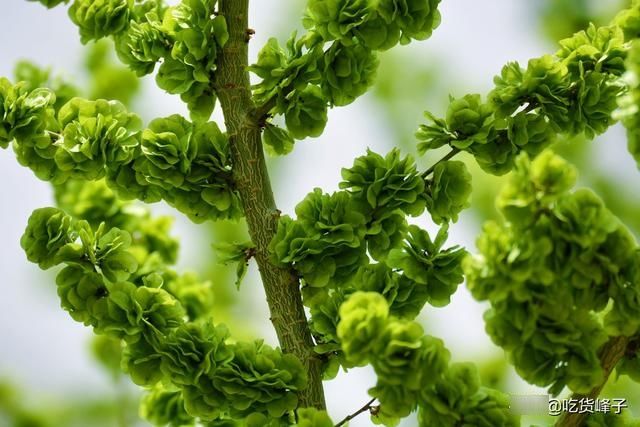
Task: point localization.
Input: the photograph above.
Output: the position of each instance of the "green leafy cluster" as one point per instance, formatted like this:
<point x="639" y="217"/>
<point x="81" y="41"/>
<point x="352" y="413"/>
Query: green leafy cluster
<point x="306" y="115"/>
<point x="426" y="263"/>
<point x="561" y="274"/>
<point x="226" y="380"/>
<point x="413" y="369"/>
<point x="335" y="238"/>
<point x="301" y="81"/>
<point x="196" y="40"/>
<point x="629" y="21"/>
<point x="458" y="398"/>
<point x="102" y="285"/>
<point x="285" y="69"/>
<point x="379" y="25"/>
<point x="189" y="166"/>
<point x="182" y="37"/>
<point x="151" y="244"/>
<point x="25" y="116"/>
<point x="154" y="250"/>
<point x="35" y="77"/>
<point x="186" y="164"/>
<point x="144" y="42"/>
<point x="95" y="135"/>
<point x="629" y="104"/>
<point x="573" y="92"/>
<point x="386" y="183"/>
<point x="100" y="18"/>
<point x="449" y="191"/>
<point x="326" y="242"/>
<point x="165" y="407"/>
<point x="276" y="140"/>
<point x="48" y="231"/>
<point x="291" y="82"/>
<point x="331" y="235"/>
<point x="386" y="189"/>
<point x="348" y="72"/>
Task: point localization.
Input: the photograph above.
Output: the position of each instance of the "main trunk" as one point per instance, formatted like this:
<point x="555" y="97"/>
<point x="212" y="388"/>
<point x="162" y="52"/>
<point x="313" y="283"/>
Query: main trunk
<point x="252" y="182"/>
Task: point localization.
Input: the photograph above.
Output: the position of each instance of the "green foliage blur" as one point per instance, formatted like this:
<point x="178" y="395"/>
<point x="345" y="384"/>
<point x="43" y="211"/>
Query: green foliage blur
<point x="108" y="79"/>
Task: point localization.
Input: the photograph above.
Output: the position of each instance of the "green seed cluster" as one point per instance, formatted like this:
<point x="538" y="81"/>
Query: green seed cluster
<point x="561" y="274"/>
<point x="413" y="369"/>
<point x="186" y="164"/>
<point x="358" y="239"/>
<point x="303" y="80"/>
<point x="629" y="105"/>
<point x="184" y="38"/>
<point x="106" y="286"/>
<point x="379" y="25"/>
<point x="573" y="92"/>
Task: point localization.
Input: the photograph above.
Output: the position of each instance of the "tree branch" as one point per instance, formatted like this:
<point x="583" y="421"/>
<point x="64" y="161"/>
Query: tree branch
<point x="448" y="156"/>
<point x="367" y="407"/>
<point x="610" y="355"/>
<point x="261" y="112"/>
<point x="252" y="181"/>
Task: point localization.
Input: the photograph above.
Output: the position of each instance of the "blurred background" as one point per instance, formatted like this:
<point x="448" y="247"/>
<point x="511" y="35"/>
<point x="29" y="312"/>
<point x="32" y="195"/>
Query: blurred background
<point x="49" y="375"/>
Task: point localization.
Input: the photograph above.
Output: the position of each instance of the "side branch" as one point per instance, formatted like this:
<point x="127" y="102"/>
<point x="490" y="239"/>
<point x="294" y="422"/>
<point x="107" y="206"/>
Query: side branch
<point x="610" y="354"/>
<point x="252" y="181"/>
<point x="367" y="407"/>
<point x="454" y="151"/>
<point x="261" y="112"/>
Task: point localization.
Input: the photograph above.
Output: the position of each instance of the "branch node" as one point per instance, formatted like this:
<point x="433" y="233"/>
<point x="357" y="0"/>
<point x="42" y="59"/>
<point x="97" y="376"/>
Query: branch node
<point x="249" y="33"/>
<point x="447" y="157"/>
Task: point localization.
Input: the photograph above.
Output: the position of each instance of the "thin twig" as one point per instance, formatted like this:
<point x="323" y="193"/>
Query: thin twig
<point x="448" y="156"/>
<point x="368" y="406"/>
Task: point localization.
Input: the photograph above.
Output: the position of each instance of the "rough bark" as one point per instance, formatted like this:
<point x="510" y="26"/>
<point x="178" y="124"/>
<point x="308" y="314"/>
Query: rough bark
<point x="251" y="179"/>
<point x="610" y="354"/>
